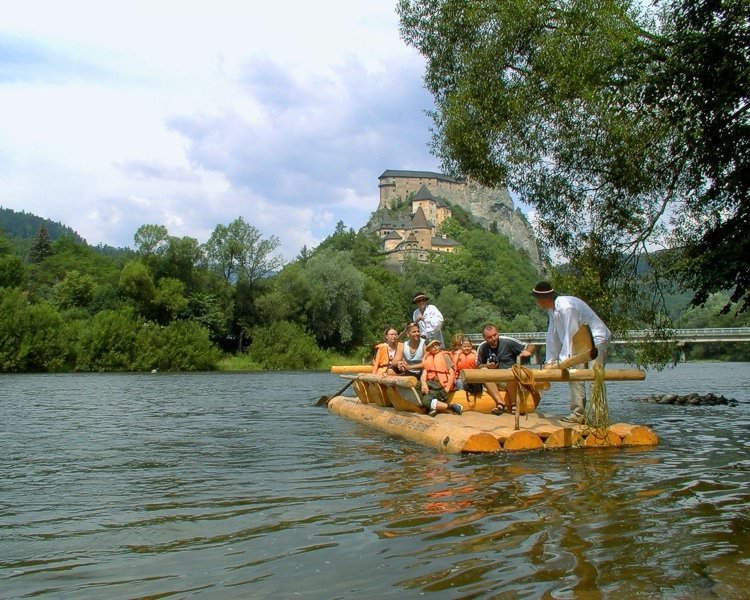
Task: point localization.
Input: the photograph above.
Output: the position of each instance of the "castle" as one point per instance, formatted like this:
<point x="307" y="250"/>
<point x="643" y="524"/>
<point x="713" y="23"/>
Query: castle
<point x="417" y="235"/>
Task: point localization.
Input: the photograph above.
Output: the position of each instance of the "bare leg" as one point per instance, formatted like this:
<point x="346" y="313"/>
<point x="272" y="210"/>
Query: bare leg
<point x="494" y="393"/>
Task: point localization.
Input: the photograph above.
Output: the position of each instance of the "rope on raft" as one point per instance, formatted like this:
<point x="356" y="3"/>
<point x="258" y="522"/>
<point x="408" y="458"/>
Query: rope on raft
<point x="596" y="416"/>
<point x="525" y="379"/>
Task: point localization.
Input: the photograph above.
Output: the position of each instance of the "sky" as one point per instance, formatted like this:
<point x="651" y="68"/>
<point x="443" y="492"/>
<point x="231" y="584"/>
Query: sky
<point x="192" y="113"/>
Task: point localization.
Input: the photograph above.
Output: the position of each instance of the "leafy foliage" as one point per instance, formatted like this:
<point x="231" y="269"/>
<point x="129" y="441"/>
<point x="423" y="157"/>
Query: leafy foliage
<point x="610" y="117"/>
<point x="32" y="336"/>
<point x="284" y="347"/>
<point x="336" y="307"/>
<point x="168" y="307"/>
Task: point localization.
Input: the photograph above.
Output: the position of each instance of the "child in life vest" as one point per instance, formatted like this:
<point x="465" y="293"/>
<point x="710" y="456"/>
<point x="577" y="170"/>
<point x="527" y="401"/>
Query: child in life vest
<point x="465" y="357"/>
<point x="437" y="380"/>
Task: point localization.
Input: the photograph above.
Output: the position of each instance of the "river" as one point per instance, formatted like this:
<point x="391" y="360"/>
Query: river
<point x="234" y="485"/>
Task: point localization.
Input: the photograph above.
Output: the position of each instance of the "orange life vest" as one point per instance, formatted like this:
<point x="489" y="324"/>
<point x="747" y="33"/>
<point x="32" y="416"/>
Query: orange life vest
<point x="382" y="359"/>
<point x="465" y="361"/>
<point x="439" y="366"/>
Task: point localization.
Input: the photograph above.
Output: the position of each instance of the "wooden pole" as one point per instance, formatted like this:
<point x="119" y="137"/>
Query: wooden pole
<point x="500" y="375"/>
<point x="578" y="359"/>
<point x="323" y="400"/>
<point x="343" y="369"/>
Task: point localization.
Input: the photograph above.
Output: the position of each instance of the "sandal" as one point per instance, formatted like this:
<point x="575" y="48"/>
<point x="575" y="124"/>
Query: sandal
<point x="499" y="409"/>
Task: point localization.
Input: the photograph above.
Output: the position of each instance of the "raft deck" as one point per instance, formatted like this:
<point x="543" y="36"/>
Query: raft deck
<point x="390" y="404"/>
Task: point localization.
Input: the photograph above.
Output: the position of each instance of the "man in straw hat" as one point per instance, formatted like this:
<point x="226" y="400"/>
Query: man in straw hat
<point x="428" y="317"/>
<point x="566" y="315"/>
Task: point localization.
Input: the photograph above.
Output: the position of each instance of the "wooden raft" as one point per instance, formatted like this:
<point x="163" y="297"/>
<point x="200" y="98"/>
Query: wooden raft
<point x="391" y="404"/>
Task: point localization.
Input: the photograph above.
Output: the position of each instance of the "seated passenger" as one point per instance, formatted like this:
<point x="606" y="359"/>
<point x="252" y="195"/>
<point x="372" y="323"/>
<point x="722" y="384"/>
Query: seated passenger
<point x="466" y="358"/>
<point x="456" y="343"/>
<point x="500" y="352"/>
<point x="385" y="353"/>
<point x="408" y="359"/>
<point x="438" y="379"/>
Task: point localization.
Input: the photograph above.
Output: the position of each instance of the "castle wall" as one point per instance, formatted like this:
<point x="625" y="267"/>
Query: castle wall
<point x="490" y="206"/>
<point x="393" y="188"/>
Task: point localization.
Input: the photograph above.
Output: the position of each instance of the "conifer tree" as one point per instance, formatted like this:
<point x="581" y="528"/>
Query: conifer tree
<point x="41" y="248"/>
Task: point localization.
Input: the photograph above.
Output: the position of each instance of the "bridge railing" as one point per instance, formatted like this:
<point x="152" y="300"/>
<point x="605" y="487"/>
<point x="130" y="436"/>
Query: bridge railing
<point x="704" y="334"/>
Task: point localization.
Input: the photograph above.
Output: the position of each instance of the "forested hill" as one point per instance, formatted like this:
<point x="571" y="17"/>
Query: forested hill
<point x="175" y="303"/>
<point x="26" y="226"/>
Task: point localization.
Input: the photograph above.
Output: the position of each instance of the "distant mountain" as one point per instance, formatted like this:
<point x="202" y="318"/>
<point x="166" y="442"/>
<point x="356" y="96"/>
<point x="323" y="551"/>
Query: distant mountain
<point x="26" y="226"/>
<point x="21" y="228"/>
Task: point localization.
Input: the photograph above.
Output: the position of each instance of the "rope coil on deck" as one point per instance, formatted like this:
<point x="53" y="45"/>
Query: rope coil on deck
<point x="525" y="379"/>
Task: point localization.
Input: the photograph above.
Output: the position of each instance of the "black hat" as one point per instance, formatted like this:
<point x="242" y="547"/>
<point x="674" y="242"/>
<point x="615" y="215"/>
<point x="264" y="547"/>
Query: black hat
<point x="419" y="297"/>
<point x="543" y="289"/>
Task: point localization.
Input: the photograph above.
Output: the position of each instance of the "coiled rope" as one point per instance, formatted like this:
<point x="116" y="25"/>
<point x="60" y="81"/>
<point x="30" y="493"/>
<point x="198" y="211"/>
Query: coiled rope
<point x="525" y="379"/>
<point x="596" y="416"/>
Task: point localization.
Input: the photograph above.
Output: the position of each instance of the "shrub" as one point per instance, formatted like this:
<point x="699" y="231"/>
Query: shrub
<point x="284" y="346"/>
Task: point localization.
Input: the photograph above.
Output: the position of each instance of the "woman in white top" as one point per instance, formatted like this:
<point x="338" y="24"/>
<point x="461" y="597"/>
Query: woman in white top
<point x="410" y="354"/>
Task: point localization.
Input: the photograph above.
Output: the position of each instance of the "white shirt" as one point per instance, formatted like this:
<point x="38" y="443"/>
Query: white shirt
<point x="432" y="321"/>
<point x="565" y="319"/>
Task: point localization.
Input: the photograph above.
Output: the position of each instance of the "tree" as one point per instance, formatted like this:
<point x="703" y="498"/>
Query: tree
<point x="33" y="336"/>
<point x="76" y="289"/>
<point x="284" y="346"/>
<point x="180" y="346"/>
<point x="151" y="239"/>
<point x="169" y="301"/>
<point x="41" y="247"/>
<point x="12" y="272"/>
<point x="238" y="251"/>
<point x="181" y="258"/>
<point x="137" y="284"/>
<point x="616" y="120"/>
<point x="110" y="342"/>
<point x="336" y="307"/>
<point x="704" y="87"/>
<point x="243" y="258"/>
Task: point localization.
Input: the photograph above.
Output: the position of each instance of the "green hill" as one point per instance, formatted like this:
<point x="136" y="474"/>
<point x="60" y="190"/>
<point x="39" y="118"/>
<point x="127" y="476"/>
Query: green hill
<point x="26" y="226"/>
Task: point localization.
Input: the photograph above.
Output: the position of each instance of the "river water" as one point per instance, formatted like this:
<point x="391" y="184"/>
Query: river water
<point x="236" y="486"/>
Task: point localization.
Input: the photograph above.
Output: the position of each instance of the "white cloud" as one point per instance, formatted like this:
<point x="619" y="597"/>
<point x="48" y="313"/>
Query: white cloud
<point x="193" y="114"/>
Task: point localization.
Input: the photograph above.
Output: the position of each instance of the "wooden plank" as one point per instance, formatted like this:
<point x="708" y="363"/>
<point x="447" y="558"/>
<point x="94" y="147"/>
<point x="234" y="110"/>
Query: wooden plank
<point x="406" y="399"/>
<point x="389" y="380"/>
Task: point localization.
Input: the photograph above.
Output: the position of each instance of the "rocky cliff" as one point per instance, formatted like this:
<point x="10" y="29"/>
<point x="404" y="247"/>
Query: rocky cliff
<point x="493" y="208"/>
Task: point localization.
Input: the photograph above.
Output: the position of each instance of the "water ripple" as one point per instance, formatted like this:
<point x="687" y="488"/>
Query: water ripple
<point x="235" y="485"/>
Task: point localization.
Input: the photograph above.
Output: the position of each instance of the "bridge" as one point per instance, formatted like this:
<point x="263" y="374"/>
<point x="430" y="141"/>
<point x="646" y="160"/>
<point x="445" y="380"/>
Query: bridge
<point x="703" y="335"/>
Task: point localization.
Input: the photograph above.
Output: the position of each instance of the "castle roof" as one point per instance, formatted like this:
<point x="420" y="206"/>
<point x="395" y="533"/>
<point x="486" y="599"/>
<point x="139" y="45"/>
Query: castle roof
<point x="392" y="236"/>
<point x="444" y="242"/>
<point x="389" y="222"/>
<point x="419" y="221"/>
<point x="423" y="194"/>
<point x="419" y="175"/>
